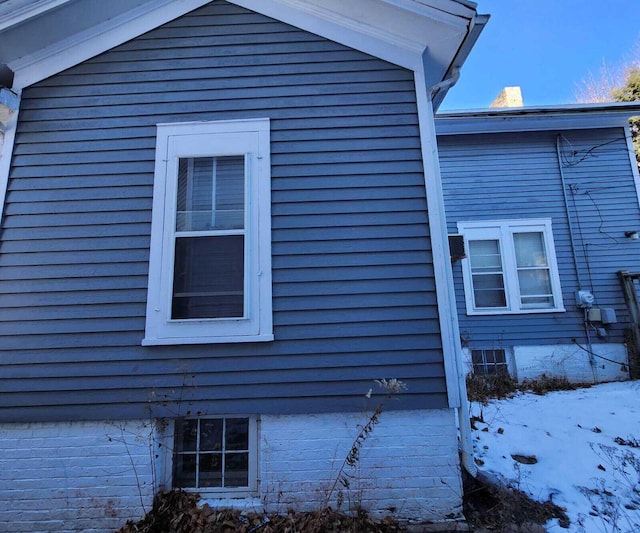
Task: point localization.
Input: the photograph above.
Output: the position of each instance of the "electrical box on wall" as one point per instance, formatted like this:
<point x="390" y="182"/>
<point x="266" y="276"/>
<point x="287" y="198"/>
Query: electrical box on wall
<point x="594" y="315"/>
<point x="606" y="315"/>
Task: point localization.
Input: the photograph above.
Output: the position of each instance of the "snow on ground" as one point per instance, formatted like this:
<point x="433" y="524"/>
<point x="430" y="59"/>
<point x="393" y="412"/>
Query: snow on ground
<point x="572" y="435"/>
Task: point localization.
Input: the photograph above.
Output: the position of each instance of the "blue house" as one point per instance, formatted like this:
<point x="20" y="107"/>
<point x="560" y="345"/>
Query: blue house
<point x="221" y="222"/>
<point x="546" y="200"/>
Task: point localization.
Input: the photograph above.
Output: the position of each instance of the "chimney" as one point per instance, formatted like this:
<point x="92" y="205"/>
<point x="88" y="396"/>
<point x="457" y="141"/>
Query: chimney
<point x="509" y="97"/>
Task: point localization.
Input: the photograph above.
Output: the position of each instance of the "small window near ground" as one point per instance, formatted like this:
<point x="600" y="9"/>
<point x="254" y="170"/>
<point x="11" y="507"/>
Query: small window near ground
<point x="215" y="454"/>
<point x="489" y="362"/>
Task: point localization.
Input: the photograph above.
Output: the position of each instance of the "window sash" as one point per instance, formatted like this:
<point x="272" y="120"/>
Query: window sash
<point x="490" y="362"/>
<point x="209" y="270"/>
<point x="215" y="454"/>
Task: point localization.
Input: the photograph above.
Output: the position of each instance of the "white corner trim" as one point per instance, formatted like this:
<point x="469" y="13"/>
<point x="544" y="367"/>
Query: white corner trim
<point x="632" y="160"/>
<point x="447" y="312"/>
<point x="30" y="10"/>
<point x="94" y="41"/>
<point x="6" y="151"/>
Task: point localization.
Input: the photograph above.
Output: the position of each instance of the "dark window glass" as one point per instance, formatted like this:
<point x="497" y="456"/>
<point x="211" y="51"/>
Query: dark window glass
<point x="208" y="277"/>
<point x="211" y="453"/>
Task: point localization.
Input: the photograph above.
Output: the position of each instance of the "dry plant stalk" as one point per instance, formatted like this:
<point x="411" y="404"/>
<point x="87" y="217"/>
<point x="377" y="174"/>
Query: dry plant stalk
<point x="391" y="387"/>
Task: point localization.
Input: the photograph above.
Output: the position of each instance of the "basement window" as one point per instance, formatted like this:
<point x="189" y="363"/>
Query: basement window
<point x="215" y="455"/>
<point x="489" y="362"/>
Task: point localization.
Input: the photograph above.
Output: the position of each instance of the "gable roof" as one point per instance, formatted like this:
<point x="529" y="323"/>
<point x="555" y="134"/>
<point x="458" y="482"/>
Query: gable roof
<point x="42" y="37"/>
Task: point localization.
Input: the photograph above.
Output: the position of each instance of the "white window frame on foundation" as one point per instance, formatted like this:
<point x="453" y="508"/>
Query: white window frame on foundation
<point x="200" y="451"/>
<point x="505" y="266"/>
<point x="236" y="140"/>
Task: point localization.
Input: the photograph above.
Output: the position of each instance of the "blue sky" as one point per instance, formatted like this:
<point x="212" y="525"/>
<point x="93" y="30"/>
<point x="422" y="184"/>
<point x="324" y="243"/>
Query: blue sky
<point x="545" y="47"/>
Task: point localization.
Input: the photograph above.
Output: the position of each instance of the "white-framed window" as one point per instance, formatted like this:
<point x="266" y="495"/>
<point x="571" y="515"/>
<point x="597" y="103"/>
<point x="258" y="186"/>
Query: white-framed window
<point x="210" y="260"/>
<point x="216" y="455"/>
<point x="510" y="267"/>
<point x="490" y="362"/>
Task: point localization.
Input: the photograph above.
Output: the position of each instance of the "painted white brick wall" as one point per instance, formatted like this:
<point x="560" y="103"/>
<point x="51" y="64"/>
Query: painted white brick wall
<point x="572" y="362"/>
<point x="81" y="476"/>
<point x="93" y="476"/>
<point x="409" y="464"/>
<point x="565" y="361"/>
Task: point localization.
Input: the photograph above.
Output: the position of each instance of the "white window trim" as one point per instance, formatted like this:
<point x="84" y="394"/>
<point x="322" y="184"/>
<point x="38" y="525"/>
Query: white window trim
<point x="219" y="492"/>
<point x="257" y="324"/>
<point x="474" y="230"/>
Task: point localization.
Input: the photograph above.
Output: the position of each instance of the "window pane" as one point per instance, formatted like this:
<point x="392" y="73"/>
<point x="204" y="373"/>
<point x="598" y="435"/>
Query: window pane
<point x="530" y="249"/>
<point x="187" y="430"/>
<point x="208" y="277"/>
<point x="236" y="470"/>
<point x="237" y="434"/>
<point x="184" y="470"/>
<point x="210" y="435"/>
<point x="535" y="288"/>
<point x="476" y="357"/>
<point x="488" y="290"/>
<point x="210" y="474"/>
<point x="210" y="193"/>
<point x="534" y="282"/>
<point x="485" y="256"/>
<point x="486" y="269"/>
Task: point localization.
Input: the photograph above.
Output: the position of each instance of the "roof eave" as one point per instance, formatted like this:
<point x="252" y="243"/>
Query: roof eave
<point x="397" y="31"/>
<point x="561" y="117"/>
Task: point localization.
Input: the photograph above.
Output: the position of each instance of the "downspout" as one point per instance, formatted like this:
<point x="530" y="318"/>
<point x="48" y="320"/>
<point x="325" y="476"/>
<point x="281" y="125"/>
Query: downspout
<point x="445" y="84"/>
<point x="466" y="441"/>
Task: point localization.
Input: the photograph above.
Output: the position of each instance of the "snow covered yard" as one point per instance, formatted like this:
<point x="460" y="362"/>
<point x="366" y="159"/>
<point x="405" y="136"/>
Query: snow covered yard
<point x="580" y="449"/>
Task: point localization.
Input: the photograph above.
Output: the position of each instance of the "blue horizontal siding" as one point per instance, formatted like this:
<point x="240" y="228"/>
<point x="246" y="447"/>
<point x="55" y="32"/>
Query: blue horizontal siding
<point x="516" y="175"/>
<point x="353" y="284"/>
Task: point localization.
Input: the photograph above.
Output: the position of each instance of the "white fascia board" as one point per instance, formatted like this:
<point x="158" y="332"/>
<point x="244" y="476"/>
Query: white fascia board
<point x="17" y="13"/>
<point x="89" y="43"/>
<point x="444" y="11"/>
<point x="536" y="119"/>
